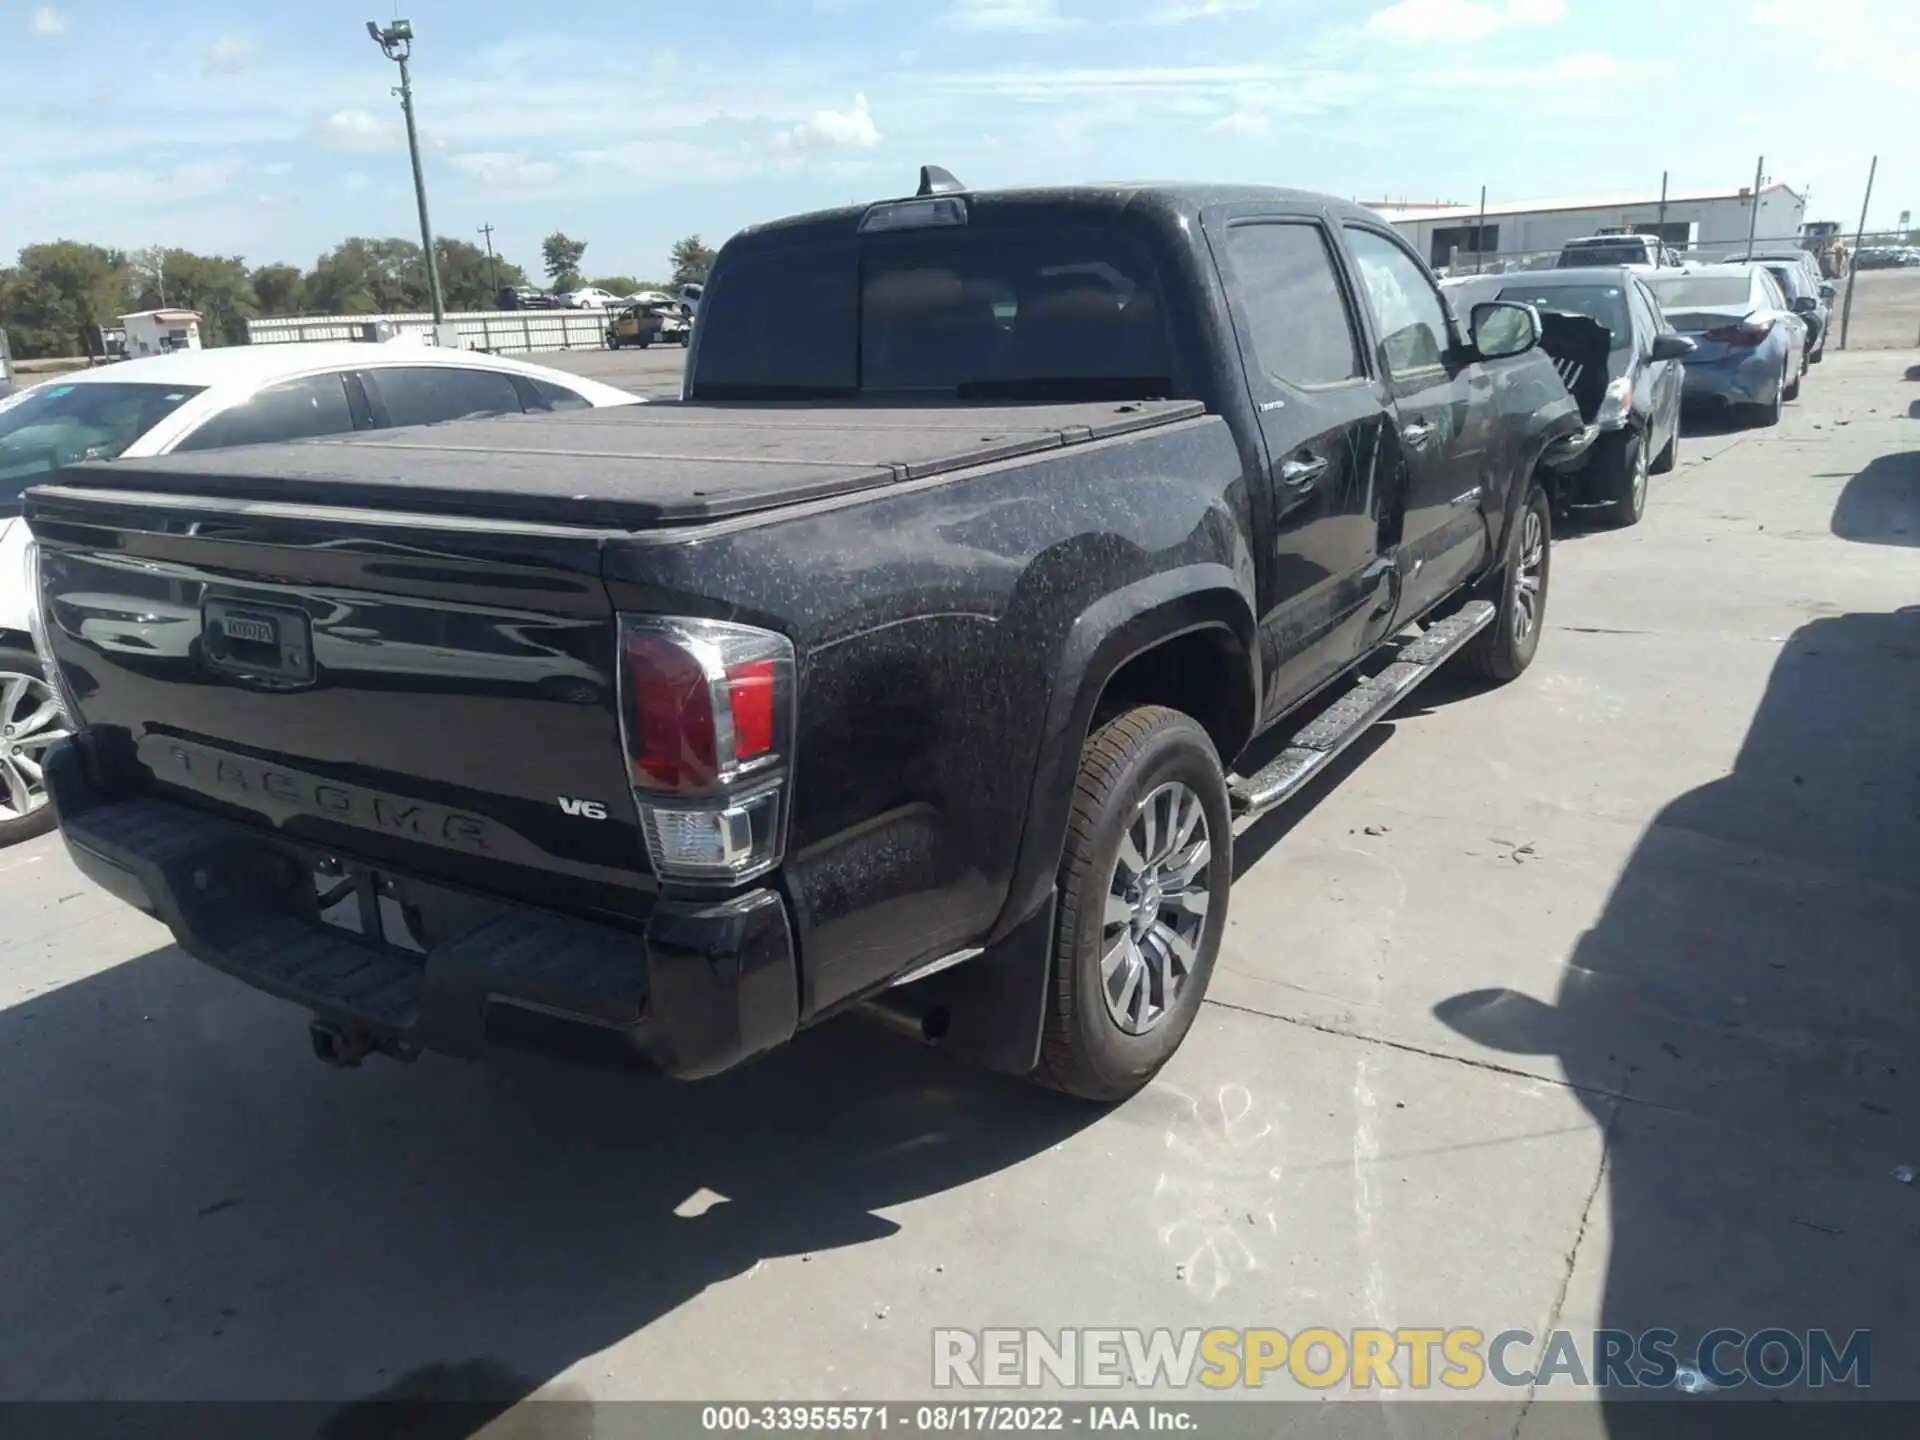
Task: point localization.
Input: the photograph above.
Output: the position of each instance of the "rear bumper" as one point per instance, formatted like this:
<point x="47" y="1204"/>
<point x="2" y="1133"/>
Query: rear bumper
<point x="1749" y="379"/>
<point x="705" y="987"/>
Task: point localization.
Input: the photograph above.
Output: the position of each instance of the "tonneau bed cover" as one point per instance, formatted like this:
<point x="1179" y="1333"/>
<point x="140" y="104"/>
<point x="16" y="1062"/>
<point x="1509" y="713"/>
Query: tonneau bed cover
<point x="633" y="466"/>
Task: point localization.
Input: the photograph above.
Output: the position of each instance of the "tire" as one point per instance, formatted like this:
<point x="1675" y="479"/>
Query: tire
<point x="613" y="342"/>
<point x="1669" y="455"/>
<point x="1627" y="483"/>
<point x="1147" y="770"/>
<point x="645" y="341"/>
<point x="1792" y="392"/>
<point x="24" y="697"/>
<point x="1768" y="415"/>
<point x="1501" y="651"/>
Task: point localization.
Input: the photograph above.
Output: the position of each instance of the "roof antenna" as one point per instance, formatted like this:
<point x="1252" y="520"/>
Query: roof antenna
<point x="935" y="181"/>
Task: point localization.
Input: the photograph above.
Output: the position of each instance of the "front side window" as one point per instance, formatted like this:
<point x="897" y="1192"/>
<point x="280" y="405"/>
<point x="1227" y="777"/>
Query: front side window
<point x="1300" y="330"/>
<point x="1406" y="307"/>
<point x="292" y="410"/>
<point x="55" y="424"/>
<point x="435" y="394"/>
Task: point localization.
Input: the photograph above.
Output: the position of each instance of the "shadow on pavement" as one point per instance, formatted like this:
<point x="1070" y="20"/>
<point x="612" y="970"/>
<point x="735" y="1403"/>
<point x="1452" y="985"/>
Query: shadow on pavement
<point x="1743" y="1019"/>
<point x="1881" y="505"/>
<point x="196" y="1209"/>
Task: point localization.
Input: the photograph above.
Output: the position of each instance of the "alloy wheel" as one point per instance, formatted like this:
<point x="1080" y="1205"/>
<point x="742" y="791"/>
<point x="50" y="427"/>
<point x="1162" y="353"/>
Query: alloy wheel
<point x="1529" y="574"/>
<point x="1156" y="907"/>
<point x="30" y="721"/>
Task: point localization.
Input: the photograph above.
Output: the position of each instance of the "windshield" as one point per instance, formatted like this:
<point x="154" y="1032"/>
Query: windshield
<point x="1677" y="292"/>
<point x="1605" y="303"/>
<point x="54" y="425"/>
<point x="977" y="312"/>
<point x="1604" y="252"/>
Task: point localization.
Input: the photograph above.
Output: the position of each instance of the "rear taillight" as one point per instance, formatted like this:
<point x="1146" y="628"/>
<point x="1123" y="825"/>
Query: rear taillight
<point x="1745" y="335"/>
<point x="37" y="631"/>
<point x="707" y="721"/>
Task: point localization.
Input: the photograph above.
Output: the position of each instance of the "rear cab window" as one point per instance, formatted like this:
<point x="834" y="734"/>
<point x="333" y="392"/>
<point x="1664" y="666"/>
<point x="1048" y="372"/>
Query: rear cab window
<point x="1003" y="309"/>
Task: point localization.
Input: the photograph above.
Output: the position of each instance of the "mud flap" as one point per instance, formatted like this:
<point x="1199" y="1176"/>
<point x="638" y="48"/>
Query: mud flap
<point x="991" y="1010"/>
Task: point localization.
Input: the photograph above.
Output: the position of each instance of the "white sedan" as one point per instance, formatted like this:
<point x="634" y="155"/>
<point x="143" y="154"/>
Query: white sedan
<point x="203" y="400"/>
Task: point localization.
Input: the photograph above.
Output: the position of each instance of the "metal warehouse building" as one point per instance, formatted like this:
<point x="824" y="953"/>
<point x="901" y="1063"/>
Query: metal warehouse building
<point x="1686" y="219"/>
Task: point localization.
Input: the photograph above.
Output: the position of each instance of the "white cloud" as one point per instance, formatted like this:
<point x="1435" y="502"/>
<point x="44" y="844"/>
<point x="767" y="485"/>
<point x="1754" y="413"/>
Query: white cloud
<point x="1243" y="121"/>
<point x="359" y="130"/>
<point x="1030" y="17"/>
<point x="1461" y="19"/>
<point x="229" y="55"/>
<point x="851" y="129"/>
<point x="1179" y="12"/>
<point x="49" y="21"/>
<point x="503" y="169"/>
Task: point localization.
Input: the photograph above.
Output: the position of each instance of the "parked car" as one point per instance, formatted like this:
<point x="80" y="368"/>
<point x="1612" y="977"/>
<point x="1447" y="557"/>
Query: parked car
<point x="198" y="400"/>
<point x="1749" y="345"/>
<point x="1639" y="414"/>
<point x="993" y="528"/>
<point x="1807" y="299"/>
<point x="649" y="324"/>
<point x="590" y="298"/>
<point x="1642" y="251"/>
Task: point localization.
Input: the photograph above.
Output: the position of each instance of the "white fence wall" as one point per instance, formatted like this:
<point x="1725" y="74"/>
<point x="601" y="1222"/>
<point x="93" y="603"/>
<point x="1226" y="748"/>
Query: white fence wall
<point x="479" y="329"/>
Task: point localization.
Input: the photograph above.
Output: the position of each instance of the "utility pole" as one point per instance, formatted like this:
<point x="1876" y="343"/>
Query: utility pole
<point x="493" y="272"/>
<point x="1753" y="212"/>
<point x="1853" y="265"/>
<point x="396" y="43"/>
<point x="1480" y="234"/>
<point x="1660" y="225"/>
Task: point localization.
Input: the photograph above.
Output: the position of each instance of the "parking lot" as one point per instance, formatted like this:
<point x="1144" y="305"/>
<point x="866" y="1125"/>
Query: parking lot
<point x="1587" y="1001"/>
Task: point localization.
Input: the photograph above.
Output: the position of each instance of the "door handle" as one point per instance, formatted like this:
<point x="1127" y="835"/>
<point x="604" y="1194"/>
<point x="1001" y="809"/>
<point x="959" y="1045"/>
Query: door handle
<point x="1416" y="432"/>
<point x="1303" y="471"/>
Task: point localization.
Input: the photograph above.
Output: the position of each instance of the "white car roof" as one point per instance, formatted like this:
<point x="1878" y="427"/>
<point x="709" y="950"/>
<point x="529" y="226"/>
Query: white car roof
<point x="252" y="366"/>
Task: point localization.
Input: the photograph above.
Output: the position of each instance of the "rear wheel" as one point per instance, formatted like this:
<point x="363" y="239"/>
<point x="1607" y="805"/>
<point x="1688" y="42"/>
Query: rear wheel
<point x="1506" y="647"/>
<point x="30" y="721"/>
<point x="1143" y="902"/>
<point x="1791" y="391"/>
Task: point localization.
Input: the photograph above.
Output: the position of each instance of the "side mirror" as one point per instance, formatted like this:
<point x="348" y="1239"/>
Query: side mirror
<point x="1828" y="290"/>
<point x="1502" y="328"/>
<point x="1805" y="305"/>
<point x="1671" y="347"/>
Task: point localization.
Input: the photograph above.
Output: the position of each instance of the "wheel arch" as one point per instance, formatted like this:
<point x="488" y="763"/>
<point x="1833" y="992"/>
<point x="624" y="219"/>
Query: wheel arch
<point x="1141" y="644"/>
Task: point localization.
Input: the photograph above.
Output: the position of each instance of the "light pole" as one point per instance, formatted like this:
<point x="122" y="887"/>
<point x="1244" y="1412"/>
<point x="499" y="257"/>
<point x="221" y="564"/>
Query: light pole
<point x="396" y="43"/>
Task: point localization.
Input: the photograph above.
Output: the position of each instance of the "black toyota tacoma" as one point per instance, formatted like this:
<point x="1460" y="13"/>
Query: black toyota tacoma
<point x="905" y="662"/>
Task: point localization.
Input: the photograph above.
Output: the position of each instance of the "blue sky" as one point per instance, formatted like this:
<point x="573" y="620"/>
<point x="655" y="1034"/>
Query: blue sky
<point x="268" y="130"/>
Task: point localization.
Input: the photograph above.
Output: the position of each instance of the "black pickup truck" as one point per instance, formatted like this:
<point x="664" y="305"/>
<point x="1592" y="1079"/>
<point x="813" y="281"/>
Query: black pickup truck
<point x="903" y="663"/>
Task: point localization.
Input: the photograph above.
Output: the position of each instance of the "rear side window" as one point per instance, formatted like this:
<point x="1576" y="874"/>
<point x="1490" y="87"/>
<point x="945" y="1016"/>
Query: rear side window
<point x="292" y="410"/>
<point x="434" y="394"/>
<point x="551" y="397"/>
<point x="1299" y="327"/>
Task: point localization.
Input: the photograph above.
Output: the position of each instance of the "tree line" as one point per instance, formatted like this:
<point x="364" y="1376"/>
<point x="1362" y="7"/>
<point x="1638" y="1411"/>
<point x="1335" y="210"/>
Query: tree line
<point x="57" y="297"/>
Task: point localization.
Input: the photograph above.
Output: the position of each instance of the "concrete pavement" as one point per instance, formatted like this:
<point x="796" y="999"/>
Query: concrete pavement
<point x="1590" y="1000"/>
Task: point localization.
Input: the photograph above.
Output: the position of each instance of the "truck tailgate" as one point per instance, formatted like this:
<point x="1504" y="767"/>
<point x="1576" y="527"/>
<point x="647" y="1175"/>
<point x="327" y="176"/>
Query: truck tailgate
<point x="424" y="695"/>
